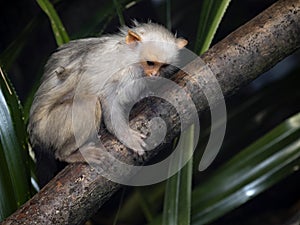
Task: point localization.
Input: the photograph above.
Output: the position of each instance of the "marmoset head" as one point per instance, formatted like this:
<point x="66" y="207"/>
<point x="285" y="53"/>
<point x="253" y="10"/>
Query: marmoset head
<point x="158" y="48"/>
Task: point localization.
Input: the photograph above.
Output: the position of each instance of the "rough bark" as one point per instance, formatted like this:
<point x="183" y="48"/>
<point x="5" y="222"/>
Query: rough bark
<point x="78" y="191"/>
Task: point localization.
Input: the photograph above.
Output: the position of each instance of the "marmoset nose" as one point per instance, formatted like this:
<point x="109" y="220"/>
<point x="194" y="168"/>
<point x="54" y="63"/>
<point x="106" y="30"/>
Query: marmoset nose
<point x="152" y="73"/>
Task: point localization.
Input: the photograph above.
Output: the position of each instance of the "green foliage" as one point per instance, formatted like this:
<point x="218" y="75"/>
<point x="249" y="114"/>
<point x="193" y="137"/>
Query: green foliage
<point x="211" y="14"/>
<point x="58" y="28"/>
<point x="119" y="12"/>
<point x="15" y="176"/>
<point x="251" y="171"/>
<point x="255" y="169"/>
<point x="179" y="187"/>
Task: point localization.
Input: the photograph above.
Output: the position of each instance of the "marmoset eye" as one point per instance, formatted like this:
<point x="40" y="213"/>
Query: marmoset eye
<point x="150" y="63"/>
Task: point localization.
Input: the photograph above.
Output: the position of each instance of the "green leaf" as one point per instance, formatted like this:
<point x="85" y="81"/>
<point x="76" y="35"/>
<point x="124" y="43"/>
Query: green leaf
<point x="59" y="30"/>
<point x="178" y="188"/>
<point x="15" y="176"/>
<point x="119" y="12"/>
<point x="168" y="14"/>
<point x="253" y="170"/>
<point x="8" y="202"/>
<point x="211" y="14"/>
<point x="145" y="206"/>
<point x="143" y="201"/>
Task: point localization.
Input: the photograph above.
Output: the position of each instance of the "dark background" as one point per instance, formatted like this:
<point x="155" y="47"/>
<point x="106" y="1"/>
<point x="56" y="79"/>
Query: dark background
<point x="80" y="20"/>
<point x="78" y="17"/>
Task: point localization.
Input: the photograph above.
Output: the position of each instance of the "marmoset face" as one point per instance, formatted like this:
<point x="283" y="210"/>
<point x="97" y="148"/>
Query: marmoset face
<point x="156" y="57"/>
<point x="153" y="68"/>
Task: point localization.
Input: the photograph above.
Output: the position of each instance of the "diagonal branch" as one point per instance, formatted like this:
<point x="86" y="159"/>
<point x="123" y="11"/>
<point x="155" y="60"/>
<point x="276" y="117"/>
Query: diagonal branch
<point x="78" y="191"/>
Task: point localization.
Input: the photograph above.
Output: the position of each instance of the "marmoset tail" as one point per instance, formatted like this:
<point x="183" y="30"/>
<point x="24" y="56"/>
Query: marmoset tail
<point x="84" y="83"/>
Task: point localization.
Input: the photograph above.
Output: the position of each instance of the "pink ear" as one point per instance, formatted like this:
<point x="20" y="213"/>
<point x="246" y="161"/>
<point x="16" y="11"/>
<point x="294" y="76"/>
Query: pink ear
<point x="181" y="42"/>
<point x="132" y="37"/>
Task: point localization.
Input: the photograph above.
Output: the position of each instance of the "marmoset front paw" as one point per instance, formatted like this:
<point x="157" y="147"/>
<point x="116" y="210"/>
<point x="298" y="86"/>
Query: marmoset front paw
<point x="136" y="142"/>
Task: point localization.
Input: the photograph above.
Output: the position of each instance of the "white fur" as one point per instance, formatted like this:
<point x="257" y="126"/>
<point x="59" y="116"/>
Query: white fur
<point x="95" y="70"/>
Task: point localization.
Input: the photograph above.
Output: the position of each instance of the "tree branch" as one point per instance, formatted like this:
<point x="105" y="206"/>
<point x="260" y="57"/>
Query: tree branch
<point x="79" y="191"/>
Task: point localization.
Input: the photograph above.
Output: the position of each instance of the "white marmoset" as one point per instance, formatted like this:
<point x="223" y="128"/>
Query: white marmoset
<point x="92" y="73"/>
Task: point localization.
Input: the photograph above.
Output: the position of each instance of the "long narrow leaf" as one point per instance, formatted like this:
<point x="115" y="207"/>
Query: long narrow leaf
<point x="119" y="12"/>
<point x="14" y="158"/>
<point x="255" y="169"/>
<point x="252" y="171"/>
<point x="59" y="30"/>
<point x="8" y="203"/>
<point x="144" y="204"/>
<point x="178" y="188"/>
<point x="168" y="14"/>
<point x="211" y="15"/>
